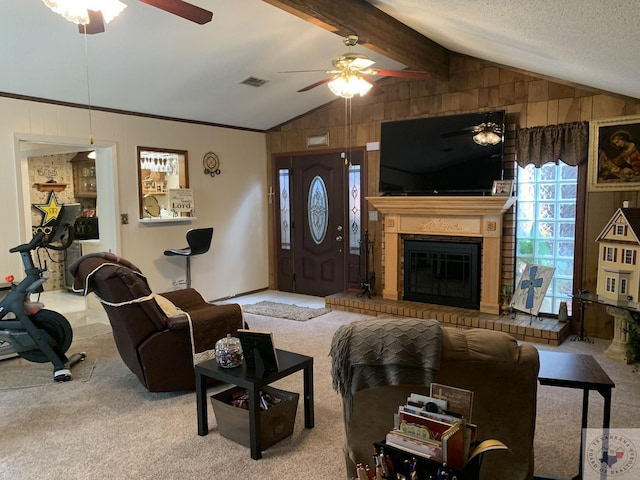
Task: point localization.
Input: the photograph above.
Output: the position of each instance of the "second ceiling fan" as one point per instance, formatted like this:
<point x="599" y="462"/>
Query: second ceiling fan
<point x="183" y="9"/>
<point x="352" y="72"/>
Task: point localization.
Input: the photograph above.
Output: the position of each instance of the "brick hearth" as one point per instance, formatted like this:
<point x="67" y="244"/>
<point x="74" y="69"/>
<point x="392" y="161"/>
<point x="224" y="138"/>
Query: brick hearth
<point x="544" y="330"/>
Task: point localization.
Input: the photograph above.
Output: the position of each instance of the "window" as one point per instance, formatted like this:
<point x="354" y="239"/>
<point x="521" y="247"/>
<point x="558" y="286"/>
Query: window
<point x="623" y="286"/>
<point x="545" y="226"/>
<point x="354" y="210"/>
<point x="285" y="209"/>
<point x="619" y="230"/>
<point x="628" y="256"/>
<point x="611" y="285"/>
<point x="609" y="254"/>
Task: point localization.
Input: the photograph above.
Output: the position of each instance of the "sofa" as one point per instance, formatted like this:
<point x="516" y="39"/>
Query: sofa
<point x="501" y="373"/>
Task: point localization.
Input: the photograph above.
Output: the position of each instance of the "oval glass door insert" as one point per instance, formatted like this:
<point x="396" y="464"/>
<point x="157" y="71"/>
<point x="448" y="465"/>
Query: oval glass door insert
<point x="318" y="206"/>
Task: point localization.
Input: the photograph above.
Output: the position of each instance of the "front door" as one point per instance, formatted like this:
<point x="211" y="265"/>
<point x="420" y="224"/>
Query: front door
<point x="314" y="251"/>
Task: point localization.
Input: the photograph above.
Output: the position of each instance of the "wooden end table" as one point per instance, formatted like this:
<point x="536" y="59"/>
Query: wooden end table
<point x="241" y="376"/>
<point x="573" y="370"/>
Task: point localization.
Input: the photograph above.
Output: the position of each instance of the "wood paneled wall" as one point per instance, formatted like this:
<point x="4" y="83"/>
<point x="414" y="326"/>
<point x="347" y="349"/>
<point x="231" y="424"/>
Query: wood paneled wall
<point x="474" y="85"/>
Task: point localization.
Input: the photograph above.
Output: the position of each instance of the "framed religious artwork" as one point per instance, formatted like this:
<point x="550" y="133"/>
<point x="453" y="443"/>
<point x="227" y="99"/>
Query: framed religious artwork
<point x="614" y="158"/>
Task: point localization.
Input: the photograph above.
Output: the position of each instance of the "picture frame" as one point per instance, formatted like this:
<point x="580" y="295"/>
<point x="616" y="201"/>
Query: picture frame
<point x="614" y="158"/>
<point x="502" y="188"/>
<point x="258" y="351"/>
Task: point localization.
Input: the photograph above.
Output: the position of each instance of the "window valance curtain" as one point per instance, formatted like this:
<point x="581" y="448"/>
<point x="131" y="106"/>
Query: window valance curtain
<point x="568" y="142"/>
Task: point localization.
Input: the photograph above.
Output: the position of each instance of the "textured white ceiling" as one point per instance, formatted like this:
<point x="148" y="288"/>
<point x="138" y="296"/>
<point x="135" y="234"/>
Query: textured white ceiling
<point x="151" y="62"/>
<point x="590" y="42"/>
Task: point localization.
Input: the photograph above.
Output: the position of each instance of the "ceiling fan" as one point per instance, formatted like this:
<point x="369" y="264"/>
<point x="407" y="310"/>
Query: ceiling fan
<point x="351" y="73"/>
<point x="97" y="20"/>
<point x="486" y="133"/>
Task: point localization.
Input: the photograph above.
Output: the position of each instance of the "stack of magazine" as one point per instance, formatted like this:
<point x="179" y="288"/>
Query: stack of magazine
<point x="438" y="427"/>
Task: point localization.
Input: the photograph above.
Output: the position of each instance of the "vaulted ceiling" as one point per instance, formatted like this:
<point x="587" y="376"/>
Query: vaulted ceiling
<point x="154" y="63"/>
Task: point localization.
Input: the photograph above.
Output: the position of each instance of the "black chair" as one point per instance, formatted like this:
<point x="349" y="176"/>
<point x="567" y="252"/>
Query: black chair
<point x="199" y="240"/>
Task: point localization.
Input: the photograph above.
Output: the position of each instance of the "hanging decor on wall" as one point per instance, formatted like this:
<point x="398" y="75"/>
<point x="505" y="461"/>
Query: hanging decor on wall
<point x="50" y="210"/>
<point x="211" y="164"/>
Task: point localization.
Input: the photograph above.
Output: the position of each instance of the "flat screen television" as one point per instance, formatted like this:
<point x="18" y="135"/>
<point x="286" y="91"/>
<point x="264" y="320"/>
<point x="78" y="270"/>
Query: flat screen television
<point x="437" y="156"/>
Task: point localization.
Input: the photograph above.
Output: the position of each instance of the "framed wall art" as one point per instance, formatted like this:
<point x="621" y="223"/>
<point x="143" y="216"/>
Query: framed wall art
<point x="502" y="187"/>
<point x="614" y="159"/>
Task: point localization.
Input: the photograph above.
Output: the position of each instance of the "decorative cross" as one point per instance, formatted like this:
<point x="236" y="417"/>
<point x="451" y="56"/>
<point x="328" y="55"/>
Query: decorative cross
<point x="531" y="284"/>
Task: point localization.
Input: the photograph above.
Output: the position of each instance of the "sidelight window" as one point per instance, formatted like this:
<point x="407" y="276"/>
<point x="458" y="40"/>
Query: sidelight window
<point x="285" y="208"/>
<point x="354" y="209"/>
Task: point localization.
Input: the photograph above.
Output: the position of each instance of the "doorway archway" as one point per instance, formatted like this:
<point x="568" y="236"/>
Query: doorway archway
<point x="106" y="183"/>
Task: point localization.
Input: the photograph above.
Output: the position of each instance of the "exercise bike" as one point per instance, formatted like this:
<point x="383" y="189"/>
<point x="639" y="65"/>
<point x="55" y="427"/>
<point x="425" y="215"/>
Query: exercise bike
<point x="27" y="328"/>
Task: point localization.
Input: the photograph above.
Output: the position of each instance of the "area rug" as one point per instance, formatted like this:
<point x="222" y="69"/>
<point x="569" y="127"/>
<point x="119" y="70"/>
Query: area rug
<point x="18" y="373"/>
<point x="284" y="310"/>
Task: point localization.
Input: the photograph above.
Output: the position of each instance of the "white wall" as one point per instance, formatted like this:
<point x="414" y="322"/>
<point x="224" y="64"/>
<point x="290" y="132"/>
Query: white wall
<point x="234" y="203"/>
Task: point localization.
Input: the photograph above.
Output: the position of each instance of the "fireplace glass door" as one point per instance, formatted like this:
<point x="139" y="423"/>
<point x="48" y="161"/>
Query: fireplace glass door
<point x="442" y="273"/>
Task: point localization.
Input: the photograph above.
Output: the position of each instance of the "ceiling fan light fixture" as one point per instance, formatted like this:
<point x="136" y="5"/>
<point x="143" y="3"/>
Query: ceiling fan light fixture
<point x="76" y="11"/>
<point x="488" y="134"/>
<point x="346" y="86"/>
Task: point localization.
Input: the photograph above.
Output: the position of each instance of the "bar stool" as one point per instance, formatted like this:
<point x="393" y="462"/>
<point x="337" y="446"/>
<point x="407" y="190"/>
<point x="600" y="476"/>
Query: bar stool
<point x="199" y="240"/>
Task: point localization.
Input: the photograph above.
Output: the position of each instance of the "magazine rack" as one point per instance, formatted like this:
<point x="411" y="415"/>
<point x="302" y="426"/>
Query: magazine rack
<point x="425" y="468"/>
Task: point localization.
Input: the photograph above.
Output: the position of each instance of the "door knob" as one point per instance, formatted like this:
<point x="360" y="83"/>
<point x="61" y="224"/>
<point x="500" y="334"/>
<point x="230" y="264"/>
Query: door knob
<point x="339" y="228"/>
<point x="339" y="238"/>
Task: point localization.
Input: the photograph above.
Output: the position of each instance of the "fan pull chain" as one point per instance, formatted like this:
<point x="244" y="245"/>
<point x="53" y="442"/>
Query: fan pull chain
<point x="347" y="131"/>
<point x="86" y="54"/>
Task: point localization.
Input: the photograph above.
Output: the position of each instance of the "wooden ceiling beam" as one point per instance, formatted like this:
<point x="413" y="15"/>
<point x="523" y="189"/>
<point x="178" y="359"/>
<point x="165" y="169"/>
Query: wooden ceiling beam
<point x="375" y="30"/>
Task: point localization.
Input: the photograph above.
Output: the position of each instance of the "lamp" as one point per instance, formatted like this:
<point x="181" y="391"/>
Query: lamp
<point x="346" y="85"/>
<point x="487" y="134"/>
<point x="76" y="11"/>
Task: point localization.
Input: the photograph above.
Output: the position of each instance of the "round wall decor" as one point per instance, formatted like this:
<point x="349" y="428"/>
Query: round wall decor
<point x="211" y="164"/>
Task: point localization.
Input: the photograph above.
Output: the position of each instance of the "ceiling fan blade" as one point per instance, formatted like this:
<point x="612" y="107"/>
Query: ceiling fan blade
<point x="462" y="131"/>
<point x="182" y="9"/>
<point x="317" y="84"/>
<point x="95" y="25"/>
<point x="375" y="89"/>
<point x="309" y="71"/>
<point x="399" y="73"/>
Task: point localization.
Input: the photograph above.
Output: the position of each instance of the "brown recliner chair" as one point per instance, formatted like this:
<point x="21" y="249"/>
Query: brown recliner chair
<point x="502" y="374"/>
<point x="154" y="333"/>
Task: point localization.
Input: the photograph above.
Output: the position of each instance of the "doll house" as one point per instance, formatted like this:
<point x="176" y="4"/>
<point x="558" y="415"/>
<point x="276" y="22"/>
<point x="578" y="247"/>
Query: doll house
<point x="618" y="274"/>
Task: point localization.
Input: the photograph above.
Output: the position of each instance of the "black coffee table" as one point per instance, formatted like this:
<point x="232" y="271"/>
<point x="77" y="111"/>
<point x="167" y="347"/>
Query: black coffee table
<point x="241" y="376"/>
<point x="573" y="370"/>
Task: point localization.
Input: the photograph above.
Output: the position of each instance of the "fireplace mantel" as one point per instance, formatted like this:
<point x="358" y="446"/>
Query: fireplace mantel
<point x="451" y="216"/>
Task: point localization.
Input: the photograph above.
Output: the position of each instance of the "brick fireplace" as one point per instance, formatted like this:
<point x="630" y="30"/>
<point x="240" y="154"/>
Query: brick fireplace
<point x="479" y="217"/>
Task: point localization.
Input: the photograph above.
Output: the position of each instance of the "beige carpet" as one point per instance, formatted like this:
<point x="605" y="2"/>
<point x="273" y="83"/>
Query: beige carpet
<point x="16" y="373"/>
<point x="112" y="428"/>
<point x="284" y="310"/>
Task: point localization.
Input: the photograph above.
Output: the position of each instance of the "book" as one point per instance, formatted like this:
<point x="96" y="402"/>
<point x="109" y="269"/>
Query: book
<point x="453" y="447"/>
<point x="258" y="350"/>
<point x="459" y="400"/>
<point x="436" y="428"/>
<point x="427" y="403"/>
<point x="414" y="446"/>
<point x="443" y="417"/>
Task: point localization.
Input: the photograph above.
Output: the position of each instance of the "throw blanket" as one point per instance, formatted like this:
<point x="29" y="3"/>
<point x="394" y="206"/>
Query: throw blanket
<point x="382" y="352"/>
<point x="192" y="306"/>
<point x="83" y="270"/>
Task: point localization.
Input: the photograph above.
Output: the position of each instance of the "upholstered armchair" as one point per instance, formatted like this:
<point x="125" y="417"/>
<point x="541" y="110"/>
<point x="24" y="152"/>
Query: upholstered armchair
<point x="159" y="336"/>
<point x="399" y="356"/>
